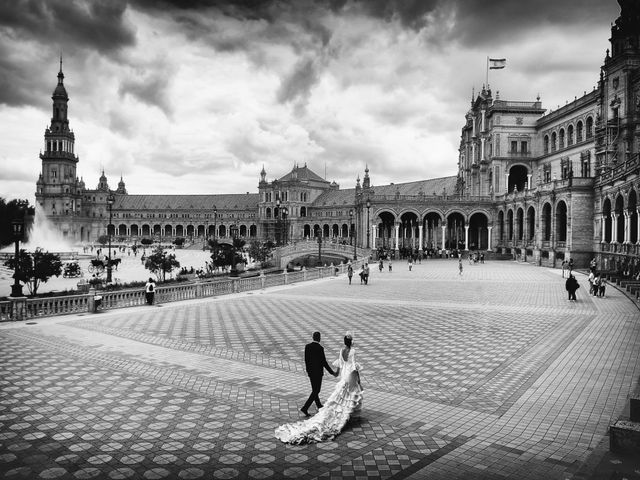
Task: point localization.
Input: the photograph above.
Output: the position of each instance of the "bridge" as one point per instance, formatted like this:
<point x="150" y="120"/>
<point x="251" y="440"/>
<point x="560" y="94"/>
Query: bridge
<point x="289" y="253"/>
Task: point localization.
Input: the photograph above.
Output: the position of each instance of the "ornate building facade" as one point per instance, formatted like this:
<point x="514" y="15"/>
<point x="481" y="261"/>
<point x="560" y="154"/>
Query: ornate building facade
<point x="540" y="186"/>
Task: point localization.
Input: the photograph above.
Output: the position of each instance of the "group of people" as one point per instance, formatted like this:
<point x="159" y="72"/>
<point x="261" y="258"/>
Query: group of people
<point x="597" y="284"/>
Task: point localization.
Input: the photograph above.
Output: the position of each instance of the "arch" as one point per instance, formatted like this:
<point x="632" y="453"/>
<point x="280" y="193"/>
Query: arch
<point x="268" y="212"/>
<point x="546" y="221"/>
<point x="317" y="231"/>
<point x="157" y="230"/>
<point x="500" y="226"/>
<point x="303" y="212"/>
<point x="561" y="221"/>
<point x="619" y="210"/>
<point x="222" y="231"/>
<point x="179" y="231"/>
<point x="518" y="178"/>
<point x="253" y="231"/>
<point x="344" y="230"/>
<point x="326" y="231"/>
<point x="589" y="128"/>
<point x="168" y="231"/>
<point x="211" y="230"/>
<point x="335" y="230"/>
<point x="200" y="231"/>
<point x="243" y="230"/>
<point x="570" y="135"/>
<point x="111" y="229"/>
<point x="606" y="215"/>
<point x="531" y="223"/>
<point x="455" y="231"/>
<point x="191" y="231"/>
<point x="479" y="231"/>
<point x="385" y="230"/>
<point x="146" y="230"/>
<point x="554" y="141"/>
<point x="408" y="234"/>
<point x="520" y="224"/>
<point x="561" y="138"/>
<point x="431" y="223"/>
<point x="546" y="144"/>
<point x="510" y="225"/>
<point x="306" y="230"/>
<point x="122" y="230"/>
<point x="632" y="205"/>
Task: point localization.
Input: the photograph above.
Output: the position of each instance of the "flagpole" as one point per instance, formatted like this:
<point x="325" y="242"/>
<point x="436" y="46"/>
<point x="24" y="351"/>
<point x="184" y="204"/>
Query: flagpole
<point x="487" y="77"/>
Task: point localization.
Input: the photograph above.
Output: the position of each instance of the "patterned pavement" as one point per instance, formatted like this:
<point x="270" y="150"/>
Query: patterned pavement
<point x="492" y="374"/>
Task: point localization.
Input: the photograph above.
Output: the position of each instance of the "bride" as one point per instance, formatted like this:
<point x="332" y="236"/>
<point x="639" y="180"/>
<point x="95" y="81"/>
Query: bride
<point x="344" y="401"/>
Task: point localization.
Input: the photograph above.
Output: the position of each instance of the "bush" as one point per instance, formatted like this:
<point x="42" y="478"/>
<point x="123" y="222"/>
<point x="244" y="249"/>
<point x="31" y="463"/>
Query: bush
<point x="146" y="241"/>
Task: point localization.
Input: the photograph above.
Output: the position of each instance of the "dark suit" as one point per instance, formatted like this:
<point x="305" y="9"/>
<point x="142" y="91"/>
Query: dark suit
<point x="315" y="363"/>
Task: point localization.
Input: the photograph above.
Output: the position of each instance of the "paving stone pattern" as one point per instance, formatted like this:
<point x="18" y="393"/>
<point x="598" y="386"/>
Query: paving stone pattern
<point x="492" y="374"/>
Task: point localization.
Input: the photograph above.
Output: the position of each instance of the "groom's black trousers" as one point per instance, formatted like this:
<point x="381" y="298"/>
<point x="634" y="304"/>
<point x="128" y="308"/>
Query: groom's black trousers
<point x="316" y="385"/>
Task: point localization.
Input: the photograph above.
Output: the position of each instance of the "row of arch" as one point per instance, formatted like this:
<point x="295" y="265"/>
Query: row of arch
<point x="519" y="225"/>
<point x="620" y="221"/>
<point x="192" y="231"/>
<point x="565" y="138"/>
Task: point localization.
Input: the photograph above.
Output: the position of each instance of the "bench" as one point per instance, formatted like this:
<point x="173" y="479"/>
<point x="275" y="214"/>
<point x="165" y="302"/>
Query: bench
<point x="624" y="435"/>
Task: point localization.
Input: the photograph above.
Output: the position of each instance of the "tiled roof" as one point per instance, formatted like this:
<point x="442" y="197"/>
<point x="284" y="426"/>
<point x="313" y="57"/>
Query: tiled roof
<point x="232" y="201"/>
<point x="302" y="173"/>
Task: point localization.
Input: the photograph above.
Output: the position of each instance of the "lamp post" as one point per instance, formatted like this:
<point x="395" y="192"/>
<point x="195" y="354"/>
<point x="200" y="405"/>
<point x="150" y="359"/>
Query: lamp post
<point x="110" y="201"/>
<point x="17" y="229"/>
<point x="368" y="232"/>
<point x="285" y="213"/>
<point x="215" y="222"/>
<point x="320" y="247"/>
<point x="351" y="240"/>
<point x="278" y="225"/>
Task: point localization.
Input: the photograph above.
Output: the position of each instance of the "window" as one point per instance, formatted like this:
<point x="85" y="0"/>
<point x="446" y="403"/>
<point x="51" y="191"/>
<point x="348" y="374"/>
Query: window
<point x="579" y="132"/>
<point x="561" y="139"/>
<point x="514" y="146"/>
<point x="554" y="141"/>
<point x="590" y="126"/>
<point x="565" y="168"/>
<point x="524" y="147"/>
<point x="570" y="135"/>
<point x="546" y="173"/>
<point x="546" y="144"/>
<point x="585" y="164"/>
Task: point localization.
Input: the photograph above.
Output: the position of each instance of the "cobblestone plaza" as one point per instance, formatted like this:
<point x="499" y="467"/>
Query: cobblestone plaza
<point x="491" y="374"/>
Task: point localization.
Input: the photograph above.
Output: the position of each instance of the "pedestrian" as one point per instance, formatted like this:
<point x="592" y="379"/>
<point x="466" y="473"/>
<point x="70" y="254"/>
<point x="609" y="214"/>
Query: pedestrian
<point x="571" y="285"/>
<point x="380" y="266"/>
<point x="564" y="267"/>
<point x="150" y="291"/>
<point x="460" y="266"/>
<point x="591" y="279"/>
<point x="602" y="286"/>
<point x="365" y="274"/>
<point x="361" y="273"/>
<point x="482" y="257"/>
<point x="390" y="267"/>
<point x="315" y="362"/>
<point x="410" y="263"/>
<point x="349" y="272"/>
<point x="596" y="285"/>
<point x="570" y="266"/>
<point x="592" y="265"/>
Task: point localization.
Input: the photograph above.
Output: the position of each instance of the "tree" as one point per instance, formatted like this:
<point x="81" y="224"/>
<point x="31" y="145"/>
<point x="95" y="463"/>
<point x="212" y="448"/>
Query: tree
<point x="161" y="263"/>
<point x="223" y="254"/>
<point x="103" y="239"/>
<point x="261" y="251"/>
<point x="12" y="210"/>
<point x="36" y="267"/>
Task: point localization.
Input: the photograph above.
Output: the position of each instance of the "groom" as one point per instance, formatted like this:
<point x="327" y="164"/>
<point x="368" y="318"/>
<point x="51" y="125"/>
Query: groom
<point x="315" y="362"/>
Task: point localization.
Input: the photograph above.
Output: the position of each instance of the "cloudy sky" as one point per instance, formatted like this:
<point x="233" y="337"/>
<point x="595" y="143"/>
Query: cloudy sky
<point x="195" y="96"/>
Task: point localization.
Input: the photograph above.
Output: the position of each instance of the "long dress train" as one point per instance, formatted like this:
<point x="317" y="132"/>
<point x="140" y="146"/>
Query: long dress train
<point x="345" y="401"/>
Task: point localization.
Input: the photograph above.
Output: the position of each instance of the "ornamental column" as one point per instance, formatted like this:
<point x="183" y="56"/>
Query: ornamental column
<point x="420" y="237"/>
<point x="627" y="224"/>
<point x="444" y="234"/>
<point x="614" y="222"/>
<point x="374" y="233"/>
<point x="603" y="236"/>
<point x="638" y="225"/>
<point x="466" y="237"/>
<point x="397" y="235"/>
<point x="489" y="238"/>
<point x="506" y="182"/>
<point x="529" y="181"/>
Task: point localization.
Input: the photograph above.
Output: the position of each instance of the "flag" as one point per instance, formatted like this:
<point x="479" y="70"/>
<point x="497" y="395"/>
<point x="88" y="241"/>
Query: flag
<point x="496" y="63"/>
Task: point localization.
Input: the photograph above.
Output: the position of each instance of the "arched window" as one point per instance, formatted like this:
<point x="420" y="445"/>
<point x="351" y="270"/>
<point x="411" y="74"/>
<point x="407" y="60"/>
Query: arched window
<point x="510" y="225"/>
<point x="546" y="144"/>
<point x="268" y="212"/>
<point x="303" y="211"/>
<point x="546" y="221"/>
<point x="561" y="222"/>
<point x="570" y="135"/>
<point x="579" y="132"/>
<point x="589" y="127"/>
<point x="561" y="139"/>
<point x="554" y="142"/>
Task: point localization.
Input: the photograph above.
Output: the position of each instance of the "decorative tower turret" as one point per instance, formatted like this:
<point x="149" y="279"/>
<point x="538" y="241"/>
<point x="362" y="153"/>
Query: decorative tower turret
<point x="58" y="194"/>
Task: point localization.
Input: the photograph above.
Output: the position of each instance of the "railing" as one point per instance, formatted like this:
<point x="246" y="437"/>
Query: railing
<point x="23" y="308"/>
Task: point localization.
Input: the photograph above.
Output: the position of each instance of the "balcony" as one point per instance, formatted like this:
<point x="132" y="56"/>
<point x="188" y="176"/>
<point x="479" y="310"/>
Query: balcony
<point x="519" y="154"/>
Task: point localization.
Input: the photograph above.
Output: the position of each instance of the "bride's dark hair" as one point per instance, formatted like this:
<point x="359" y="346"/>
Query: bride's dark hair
<point x="348" y="340"/>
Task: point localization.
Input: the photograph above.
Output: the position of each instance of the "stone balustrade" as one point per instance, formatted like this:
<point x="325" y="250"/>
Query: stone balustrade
<point x="23" y="308"/>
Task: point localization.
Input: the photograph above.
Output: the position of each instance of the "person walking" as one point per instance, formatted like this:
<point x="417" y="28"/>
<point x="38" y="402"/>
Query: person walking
<point x="571" y="285"/>
<point x="315" y="363"/>
<point x="460" y="266"/>
<point x="150" y="291"/>
<point x="410" y="263"/>
<point x="564" y="267"/>
<point x="390" y="267"/>
<point x="591" y="279"/>
<point x="365" y="274"/>
<point x="350" y="272"/>
<point x="602" y="287"/>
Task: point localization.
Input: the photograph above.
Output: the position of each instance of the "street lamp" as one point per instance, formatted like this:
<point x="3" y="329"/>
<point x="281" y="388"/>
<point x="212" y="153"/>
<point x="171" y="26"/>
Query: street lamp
<point x="320" y="247"/>
<point x="368" y="233"/>
<point x="285" y="212"/>
<point x="110" y="201"/>
<point x="351" y="241"/>
<point x="278" y="224"/>
<point x="215" y="222"/>
<point x="17" y="229"/>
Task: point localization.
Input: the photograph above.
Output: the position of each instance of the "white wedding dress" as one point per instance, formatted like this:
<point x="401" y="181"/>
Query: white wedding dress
<point x="345" y="401"/>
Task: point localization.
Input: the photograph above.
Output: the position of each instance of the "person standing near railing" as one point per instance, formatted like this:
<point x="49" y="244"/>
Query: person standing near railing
<point x="150" y="291"/>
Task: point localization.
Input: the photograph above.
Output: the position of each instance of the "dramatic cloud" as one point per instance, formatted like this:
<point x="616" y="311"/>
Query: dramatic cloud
<point x="194" y="96"/>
